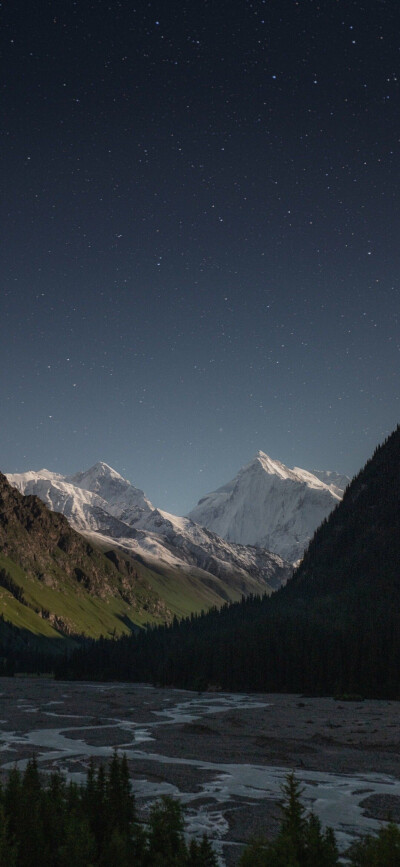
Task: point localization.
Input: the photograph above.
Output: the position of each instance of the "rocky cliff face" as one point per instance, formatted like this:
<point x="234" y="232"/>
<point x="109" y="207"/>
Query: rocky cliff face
<point x="230" y="562"/>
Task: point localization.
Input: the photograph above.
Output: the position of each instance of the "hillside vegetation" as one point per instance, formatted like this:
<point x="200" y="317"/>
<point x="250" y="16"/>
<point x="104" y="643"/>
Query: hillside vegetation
<point x="58" y="587"/>
<point x="55" y="584"/>
<point x="334" y="628"/>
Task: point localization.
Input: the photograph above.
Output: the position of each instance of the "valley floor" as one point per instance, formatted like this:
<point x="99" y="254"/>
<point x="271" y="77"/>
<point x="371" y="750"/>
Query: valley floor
<point x="224" y="755"/>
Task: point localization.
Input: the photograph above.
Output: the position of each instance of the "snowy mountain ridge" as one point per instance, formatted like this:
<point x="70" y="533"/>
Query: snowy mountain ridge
<point x="265" y="506"/>
<point x="270" y="506"/>
<point x="102" y="504"/>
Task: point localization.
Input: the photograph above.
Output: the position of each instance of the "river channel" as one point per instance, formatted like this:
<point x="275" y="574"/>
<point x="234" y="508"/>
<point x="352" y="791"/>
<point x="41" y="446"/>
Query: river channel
<point x="225" y="756"/>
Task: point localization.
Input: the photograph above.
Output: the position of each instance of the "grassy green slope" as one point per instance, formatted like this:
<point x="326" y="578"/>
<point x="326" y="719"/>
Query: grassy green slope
<point x="158" y="596"/>
<point x="54" y="581"/>
<point x="63" y="607"/>
<point x="187" y="590"/>
<point x="181" y="589"/>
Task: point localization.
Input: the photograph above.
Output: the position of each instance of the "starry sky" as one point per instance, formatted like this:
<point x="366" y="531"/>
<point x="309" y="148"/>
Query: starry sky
<point x="200" y="237"/>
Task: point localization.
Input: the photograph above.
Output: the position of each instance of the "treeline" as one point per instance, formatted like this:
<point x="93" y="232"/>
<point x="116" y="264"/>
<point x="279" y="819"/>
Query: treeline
<point x="60" y="824"/>
<point x="258" y="645"/>
<point x="23" y="651"/>
<point x="334" y="628"/>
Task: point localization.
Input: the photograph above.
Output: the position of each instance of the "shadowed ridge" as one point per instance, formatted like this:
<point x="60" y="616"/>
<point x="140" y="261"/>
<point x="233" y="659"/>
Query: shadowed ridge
<point x="357" y="549"/>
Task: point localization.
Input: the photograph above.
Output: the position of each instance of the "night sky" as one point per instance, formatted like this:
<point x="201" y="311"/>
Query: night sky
<point x="200" y="237"/>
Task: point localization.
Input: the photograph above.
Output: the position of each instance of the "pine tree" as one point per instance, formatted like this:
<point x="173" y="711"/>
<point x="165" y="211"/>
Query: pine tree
<point x="293" y="828"/>
<point x="255" y="854"/>
<point x="31" y="818"/>
<point x="380" y="851"/>
<point x="300" y="842"/>
<point x="320" y="846"/>
<point x="98" y="814"/>
<point x="53" y="815"/>
<point x="116" y="850"/>
<point x="166" y="844"/>
<point x="12" y="801"/>
<point x="201" y="854"/>
<point x="78" y="847"/>
<point x="8" y="847"/>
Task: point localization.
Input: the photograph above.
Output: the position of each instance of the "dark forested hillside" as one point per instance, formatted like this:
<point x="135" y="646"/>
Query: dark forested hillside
<point x="357" y="551"/>
<point x="334" y="628"/>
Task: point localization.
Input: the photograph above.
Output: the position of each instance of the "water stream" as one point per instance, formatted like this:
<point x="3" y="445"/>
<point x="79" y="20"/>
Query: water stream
<point x="335" y="798"/>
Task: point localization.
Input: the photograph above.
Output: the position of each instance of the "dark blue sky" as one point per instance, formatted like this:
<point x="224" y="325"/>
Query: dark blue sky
<point x="200" y="242"/>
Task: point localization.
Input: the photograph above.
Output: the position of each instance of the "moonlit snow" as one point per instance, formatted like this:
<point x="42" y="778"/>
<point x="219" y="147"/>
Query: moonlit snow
<point x="270" y="506"/>
<point x="103" y="503"/>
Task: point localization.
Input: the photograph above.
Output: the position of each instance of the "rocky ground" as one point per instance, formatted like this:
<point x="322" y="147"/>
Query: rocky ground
<point x="225" y="756"/>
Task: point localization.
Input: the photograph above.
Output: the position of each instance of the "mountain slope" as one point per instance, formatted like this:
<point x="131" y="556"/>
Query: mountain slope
<point x="357" y="551"/>
<point x="334" y="629"/>
<point x="107" y="495"/>
<point x="124" y="501"/>
<point x="337" y="482"/>
<point x="54" y="583"/>
<point x="270" y="506"/>
<point x="111" y="511"/>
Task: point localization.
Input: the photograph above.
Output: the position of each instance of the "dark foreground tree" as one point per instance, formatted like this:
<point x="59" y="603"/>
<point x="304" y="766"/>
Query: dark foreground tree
<point x="8" y="848"/>
<point x="380" y="851"/>
<point x="46" y="821"/>
<point x="300" y="842"/>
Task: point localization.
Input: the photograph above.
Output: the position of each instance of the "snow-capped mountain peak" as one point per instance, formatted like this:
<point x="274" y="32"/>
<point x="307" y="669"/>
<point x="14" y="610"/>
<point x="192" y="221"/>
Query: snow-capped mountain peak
<point x="95" y="476"/>
<point x="101" y="503"/>
<point x="273" y="468"/>
<point x="123" y="498"/>
<point x="34" y="475"/>
<point x="276" y="468"/>
<point x="268" y="505"/>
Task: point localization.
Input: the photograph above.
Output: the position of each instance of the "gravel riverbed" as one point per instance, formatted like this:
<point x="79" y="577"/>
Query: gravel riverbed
<point x="224" y="755"/>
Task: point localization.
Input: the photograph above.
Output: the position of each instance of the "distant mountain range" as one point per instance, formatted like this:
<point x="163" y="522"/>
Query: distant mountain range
<point x="334" y="629"/>
<point x="266" y="506"/>
<point x="271" y="506"/>
<point x="201" y="568"/>
<point x="157" y="565"/>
